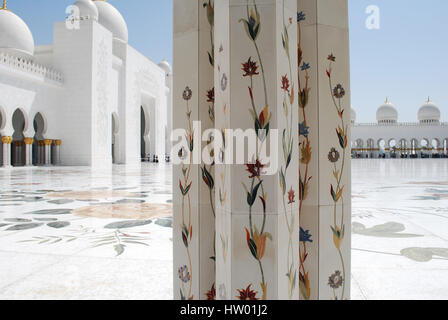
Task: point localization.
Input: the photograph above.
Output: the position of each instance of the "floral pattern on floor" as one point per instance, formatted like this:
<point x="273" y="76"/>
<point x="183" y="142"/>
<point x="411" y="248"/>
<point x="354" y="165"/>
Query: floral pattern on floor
<point x="77" y="233"/>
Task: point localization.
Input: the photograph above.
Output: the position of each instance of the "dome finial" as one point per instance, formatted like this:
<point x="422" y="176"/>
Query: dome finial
<point x="429" y="100"/>
<point x="387" y="99"/>
<point x="4" y="6"/>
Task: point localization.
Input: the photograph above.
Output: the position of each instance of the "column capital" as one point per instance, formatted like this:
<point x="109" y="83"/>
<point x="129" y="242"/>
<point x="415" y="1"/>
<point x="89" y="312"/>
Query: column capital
<point x="48" y="142"/>
<point x="7" y="140"/>
<point x="57" y="142"/>
<point x="29" y="141"/>
<point x="18" y="143"/>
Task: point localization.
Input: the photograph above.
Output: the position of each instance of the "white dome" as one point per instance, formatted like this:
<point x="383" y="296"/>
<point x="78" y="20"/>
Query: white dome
<point x="429" y="112"/>
<point x="353" y="115"/>
<point x="165" y="66"/>
<point x="15" y="36"/>
<point x="87" y="10"/>
<point x="387" y="113"/>
<point x="112" y="20"/>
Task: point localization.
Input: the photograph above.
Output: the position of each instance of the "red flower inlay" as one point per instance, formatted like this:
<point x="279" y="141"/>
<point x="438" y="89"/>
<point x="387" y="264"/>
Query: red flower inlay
<point x="250" y="68"/>
<point x="255" y="169"/>
<point x="285" y="83"/>
<point x="247" y="294"/>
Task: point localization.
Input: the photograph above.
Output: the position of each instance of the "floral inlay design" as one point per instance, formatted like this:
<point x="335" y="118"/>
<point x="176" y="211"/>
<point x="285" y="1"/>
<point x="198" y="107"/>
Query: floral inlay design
<point x="288" y="88"/>
<point x="337" y="156"/>
<point x="185" y="188"/>
<point x="256" y="237"/>
<point x="208" y="171"/>
<point x="305" y="160"/>
<point x="210" y="10"/>
<point x="247" y="294"/>
<point x="211" y="294"/>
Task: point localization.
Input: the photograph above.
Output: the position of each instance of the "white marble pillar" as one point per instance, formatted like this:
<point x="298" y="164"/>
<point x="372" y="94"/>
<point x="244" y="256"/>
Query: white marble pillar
<point x="29" y="151"/>
<point x="256" y="88"/>
<point x="6" y="141"/>
<point x="324" y="138"/>
<point x="47" y="152"/>
<point x="193" y="195"/>
<point x="56" y="152"/>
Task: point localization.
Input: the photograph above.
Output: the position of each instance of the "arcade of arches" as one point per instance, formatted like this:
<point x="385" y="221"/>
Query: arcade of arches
<point x="25" y="147"/>
<point x="30" y="147"/>
<point x="400" y="148"/>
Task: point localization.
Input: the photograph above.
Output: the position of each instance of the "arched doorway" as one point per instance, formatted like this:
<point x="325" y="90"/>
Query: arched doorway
<point x="392" y="147"/>
<point x="436" y="146"/>
<point x="18" y="146"/>
<point x="382" y="147"/>
<point x="115" y="142"/>
<point x="359" y="147"/>
<point x="39" y="130"/>
<point x="144" y="136"/>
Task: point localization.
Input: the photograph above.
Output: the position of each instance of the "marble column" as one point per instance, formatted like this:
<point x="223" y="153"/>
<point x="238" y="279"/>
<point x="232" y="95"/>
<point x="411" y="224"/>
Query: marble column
<point x="7" y="141"/>
<point x="17" y="153"/>
<point x="47" y="151"/>
<point x="29" y="151"/>
<point x="193" y="195"/>
<point x="56" y="152"/>
<point x="324" y="140"/>
<point x="257" y="199"/>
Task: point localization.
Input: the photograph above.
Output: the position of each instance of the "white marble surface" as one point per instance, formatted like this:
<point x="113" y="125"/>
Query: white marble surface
<point x="400" y="229"/>
<point x="83" y="258"/>
<point x="400" y="239"/>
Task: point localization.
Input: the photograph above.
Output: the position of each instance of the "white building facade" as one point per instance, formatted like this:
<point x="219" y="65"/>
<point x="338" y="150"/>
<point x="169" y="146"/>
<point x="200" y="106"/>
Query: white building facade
<point x="89" y="99"/>
<point x="388" y="138"/>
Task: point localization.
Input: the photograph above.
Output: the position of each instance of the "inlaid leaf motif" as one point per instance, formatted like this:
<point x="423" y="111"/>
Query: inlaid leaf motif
<point x="25" y="226"/>
<point x="207" y="177"/>
<point x="119" y="249"/>
<point x="128" y="224"/>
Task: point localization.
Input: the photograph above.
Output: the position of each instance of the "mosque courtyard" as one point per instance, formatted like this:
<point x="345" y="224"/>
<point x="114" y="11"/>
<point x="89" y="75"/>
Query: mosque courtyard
<point x="78" y="233"/>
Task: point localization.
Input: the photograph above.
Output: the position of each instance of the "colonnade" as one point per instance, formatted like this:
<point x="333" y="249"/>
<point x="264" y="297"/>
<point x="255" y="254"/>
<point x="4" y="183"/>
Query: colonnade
<point x="29" y="152"/>
<point x="401" y="148"/>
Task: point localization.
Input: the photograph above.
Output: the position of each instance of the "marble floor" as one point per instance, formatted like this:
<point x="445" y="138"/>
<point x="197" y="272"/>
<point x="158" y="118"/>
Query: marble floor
<point x="74" y="233"/>
<point x="400" y="229"/>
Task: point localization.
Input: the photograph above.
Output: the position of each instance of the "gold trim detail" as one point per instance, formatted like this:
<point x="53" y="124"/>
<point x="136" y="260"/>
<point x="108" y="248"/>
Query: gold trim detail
<point x="7" y="140"/>
<point x="4" y="7"/>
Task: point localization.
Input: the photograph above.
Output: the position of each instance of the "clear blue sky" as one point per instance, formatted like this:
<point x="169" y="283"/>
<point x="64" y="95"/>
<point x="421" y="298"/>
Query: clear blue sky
<point x="406" y="59"/>
<point x="149" y="22"/>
